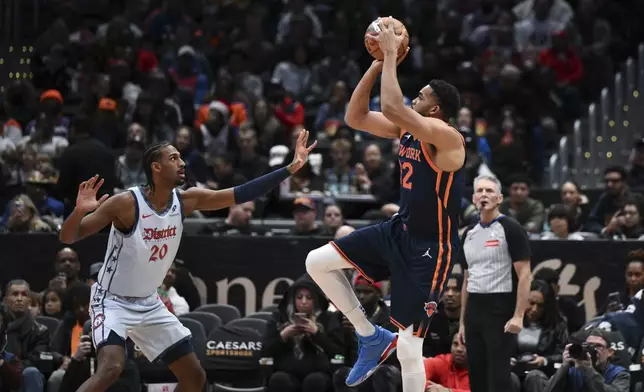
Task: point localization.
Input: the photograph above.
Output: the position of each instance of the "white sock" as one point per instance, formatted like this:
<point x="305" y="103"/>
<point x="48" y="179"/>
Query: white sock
<point x="410" y="356"/>
<point x="324" y="265"/>
<point x="413" y="382"/>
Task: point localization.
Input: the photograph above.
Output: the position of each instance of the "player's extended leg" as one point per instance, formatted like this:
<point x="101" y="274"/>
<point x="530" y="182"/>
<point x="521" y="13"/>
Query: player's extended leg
<point x="375" y="344"/>
<point x="410" y="356"/>
<point x="190" y="375"/>
<point x="111" y="359"/>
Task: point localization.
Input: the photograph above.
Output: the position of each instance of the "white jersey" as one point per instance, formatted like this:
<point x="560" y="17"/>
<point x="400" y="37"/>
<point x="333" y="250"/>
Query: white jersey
<point x="136" y="262"/>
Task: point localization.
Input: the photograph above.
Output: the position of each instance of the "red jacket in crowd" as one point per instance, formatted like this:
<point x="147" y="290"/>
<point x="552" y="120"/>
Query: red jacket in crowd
<point x="441" y="370"/>
<point x="567" y="66"/>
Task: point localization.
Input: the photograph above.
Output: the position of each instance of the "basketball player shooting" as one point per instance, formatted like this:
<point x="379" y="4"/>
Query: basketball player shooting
<point x="416" y="246"/>
<point x="147" y="223"/>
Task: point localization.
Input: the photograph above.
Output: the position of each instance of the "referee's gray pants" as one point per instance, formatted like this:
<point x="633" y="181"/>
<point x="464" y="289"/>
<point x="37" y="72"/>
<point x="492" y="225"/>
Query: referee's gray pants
<point x="489" y="348"/>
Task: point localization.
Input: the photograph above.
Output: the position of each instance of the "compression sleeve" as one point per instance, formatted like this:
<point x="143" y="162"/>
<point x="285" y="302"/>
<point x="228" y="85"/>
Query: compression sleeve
<point x="260" y="186"/>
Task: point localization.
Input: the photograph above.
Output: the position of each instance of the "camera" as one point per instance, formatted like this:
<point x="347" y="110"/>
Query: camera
<point x="578" y="351"/>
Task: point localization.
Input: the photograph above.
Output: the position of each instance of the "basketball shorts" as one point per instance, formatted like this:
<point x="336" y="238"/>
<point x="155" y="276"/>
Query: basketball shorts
<point x="146" y="321"/>
<point x="416" y="268"/>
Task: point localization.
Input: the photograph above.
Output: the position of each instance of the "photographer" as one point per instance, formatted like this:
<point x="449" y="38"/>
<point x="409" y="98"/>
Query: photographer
<point x="83" y="364"/>
<point x="587" y="368"/>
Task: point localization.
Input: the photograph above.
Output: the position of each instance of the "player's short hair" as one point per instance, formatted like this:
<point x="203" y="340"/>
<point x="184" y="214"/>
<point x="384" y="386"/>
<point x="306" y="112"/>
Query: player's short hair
<point x="488" y="178"/>
<point x="448" y="98"/>
<point x="151" y="155"/>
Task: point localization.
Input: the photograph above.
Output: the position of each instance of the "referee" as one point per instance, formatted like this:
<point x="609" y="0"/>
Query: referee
<point x="493" y="303"/>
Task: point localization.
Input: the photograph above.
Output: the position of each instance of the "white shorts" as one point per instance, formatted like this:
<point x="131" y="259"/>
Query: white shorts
<point x="147" y="321"/>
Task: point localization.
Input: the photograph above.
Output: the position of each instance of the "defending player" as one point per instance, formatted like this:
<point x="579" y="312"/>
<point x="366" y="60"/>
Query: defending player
<point x="415" y="247"/>
<point x="147" y="223"/>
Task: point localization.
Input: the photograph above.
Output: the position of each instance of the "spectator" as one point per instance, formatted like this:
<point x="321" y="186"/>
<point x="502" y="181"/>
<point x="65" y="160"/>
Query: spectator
<point x="185" y="284"/>
<point x="332" y="220"/>
<point x="129" y="169"/>
<point x="68" y="265"/>
<point x="24" y="218"/>
<point x="541" y="340"/>
<point x="526" y="210"/>
<point x="560" y="221"/>
<point x="26" y="338"/>
<point x="611" y="200"/>
<point x="576" y="203"/>
<point x="236" y="223"/>
<point x="187" y="76"/>
<point x="446" y="322"/>
<point x="302" y="338"/>
<point x="448" y="371"/>
<point x="52" y="303"/>
<point x="179" y="304"/>
<point x="636" y="165"/>
<point x="186" y="144"/>
<point x="85" y="158"/>
<point x="35" y="305"/>
<point x="66" y="338"/>
<point x="11" y="370"/>
<point x="340" y="178"/>
<point x="304" y="213"/>
<point x="626" y="223"/>
<point x="223" y="173"/>
<point x="569" y="309"/>
<point x="294" y="75"/>
<point x="387" y="378"/>
<point x="592" y="372"/>
<point x="374" y="174"/>
<point x="80" y="368"/>
<point x="333" y="110"/>
<point x="250" y="164"/>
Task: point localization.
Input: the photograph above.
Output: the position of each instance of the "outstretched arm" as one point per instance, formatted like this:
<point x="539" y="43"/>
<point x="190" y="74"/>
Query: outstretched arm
<point x="208" y="200"/>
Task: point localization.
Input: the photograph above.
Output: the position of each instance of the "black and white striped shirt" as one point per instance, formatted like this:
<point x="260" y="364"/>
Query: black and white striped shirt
<point x="489" y="251"/>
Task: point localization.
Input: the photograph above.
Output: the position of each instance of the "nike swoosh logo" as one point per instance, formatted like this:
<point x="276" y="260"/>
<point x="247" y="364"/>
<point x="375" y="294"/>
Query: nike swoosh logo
<point x="146" y="216"/>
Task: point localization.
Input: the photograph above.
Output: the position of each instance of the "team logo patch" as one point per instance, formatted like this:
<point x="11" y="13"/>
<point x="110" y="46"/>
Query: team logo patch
<point x="430" y="308"/>
<point x="491" y="243"/>
<point x="98" y="320"/>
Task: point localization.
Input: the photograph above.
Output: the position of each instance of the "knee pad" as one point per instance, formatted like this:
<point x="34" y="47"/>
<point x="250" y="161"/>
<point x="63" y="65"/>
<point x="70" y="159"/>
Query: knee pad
<point x="410" y="352"/>
<point x="324" y="259"/>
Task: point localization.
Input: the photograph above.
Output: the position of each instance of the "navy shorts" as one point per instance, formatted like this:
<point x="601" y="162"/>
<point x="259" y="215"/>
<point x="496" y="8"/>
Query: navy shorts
<point x="417" y="268"/>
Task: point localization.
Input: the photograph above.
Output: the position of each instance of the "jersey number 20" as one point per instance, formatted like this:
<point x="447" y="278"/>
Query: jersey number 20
<point x="406" y="170"/>
<point x="158" y="253"/>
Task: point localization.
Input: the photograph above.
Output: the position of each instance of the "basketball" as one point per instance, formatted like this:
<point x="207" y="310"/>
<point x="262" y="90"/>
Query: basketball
<point x="374" y="48"/>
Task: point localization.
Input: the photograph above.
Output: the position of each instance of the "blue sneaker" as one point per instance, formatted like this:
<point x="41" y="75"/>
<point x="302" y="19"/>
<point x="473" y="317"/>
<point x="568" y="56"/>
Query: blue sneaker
<point x="372" y="352"/>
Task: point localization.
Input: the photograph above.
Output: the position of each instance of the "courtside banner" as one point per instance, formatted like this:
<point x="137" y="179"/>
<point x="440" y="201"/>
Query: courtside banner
<point x="254" y="272"/>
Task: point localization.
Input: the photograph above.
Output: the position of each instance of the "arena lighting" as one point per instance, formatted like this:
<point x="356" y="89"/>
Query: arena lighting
<point x="15" y="64"/>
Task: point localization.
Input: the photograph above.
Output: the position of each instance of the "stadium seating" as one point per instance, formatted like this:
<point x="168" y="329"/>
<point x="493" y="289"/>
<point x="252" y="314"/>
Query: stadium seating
<point x="256" y="324"/>
<point x="269" y="309"/>
<point x="223" y="388"/>
<point x="49" y="322"/>
<point x="209" y="321"/>
<point x="226" y="313"/>
<point x="261" y="315"/>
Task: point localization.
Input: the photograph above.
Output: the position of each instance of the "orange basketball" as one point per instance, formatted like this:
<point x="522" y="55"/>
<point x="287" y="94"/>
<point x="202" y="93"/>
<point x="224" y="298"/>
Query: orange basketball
<point x="374" y="48"/>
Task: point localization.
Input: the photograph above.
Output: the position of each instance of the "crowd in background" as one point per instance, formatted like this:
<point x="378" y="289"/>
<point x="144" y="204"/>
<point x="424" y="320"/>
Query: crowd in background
<point x="231" y="83"/>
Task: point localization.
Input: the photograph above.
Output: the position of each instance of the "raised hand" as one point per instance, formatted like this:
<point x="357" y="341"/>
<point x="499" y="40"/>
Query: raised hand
<point x="86" y="200"/>
<point x="301" y="151"/>
<point x="387" y="38"/>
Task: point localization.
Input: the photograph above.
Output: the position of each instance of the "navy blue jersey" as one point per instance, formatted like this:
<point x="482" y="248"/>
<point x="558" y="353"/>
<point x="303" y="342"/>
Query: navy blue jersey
<point x="430" y="198"/>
